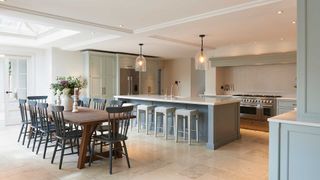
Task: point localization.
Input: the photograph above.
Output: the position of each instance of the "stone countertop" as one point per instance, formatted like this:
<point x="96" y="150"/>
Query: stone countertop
<point x="291" y="118"/>
<point x="184" y="100"/>
<point x="287" y="98"/>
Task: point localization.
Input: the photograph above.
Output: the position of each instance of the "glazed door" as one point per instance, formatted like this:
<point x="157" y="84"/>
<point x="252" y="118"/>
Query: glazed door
<point x="15" y="86"/>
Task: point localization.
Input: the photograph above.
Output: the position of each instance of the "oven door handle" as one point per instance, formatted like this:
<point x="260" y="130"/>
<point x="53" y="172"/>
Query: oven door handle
<point x="249" y="106"/>
<point x="268" y="106"/>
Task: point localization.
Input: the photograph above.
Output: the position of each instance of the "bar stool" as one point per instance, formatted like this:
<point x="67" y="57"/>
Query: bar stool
<point x="134" y="112"/>
<point x="164" y="111"/>
<point x="187" y="114"/>
<point x="148" y="110"/>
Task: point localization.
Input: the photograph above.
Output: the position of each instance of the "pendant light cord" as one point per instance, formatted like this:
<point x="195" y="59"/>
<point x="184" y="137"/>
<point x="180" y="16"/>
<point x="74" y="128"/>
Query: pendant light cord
<point x="141" y="49"/>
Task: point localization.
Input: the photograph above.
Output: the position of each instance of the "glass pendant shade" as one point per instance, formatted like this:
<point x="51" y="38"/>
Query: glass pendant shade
<point x="201" y="58"/>
<point x="141" y="63"/>
<point x="201" y="61"/>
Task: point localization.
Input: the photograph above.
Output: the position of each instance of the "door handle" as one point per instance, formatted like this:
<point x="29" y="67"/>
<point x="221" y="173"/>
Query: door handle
<point x="8" y="92"/>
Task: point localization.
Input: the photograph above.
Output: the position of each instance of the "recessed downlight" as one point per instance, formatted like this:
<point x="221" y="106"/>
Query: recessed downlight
<point x="2" y="55"/>
<point x="293" y="22"/>
<point x="280" y="12"/>
<point x="121" y="25"/>
<point x="3" y="0"/>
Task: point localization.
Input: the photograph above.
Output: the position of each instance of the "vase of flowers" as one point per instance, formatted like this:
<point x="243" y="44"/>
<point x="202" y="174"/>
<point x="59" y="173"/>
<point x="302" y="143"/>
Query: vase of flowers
<point x="64" y="88"/>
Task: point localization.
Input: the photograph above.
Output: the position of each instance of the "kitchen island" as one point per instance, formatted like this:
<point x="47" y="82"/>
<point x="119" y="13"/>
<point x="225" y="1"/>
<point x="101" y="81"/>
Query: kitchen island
<point x="219" y="116"/>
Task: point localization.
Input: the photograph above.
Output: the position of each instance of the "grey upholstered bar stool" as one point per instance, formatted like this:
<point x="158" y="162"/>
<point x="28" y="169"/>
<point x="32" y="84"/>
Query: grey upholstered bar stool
<point x="166" y="112"/>
<point x="187" y="115"/>
<point x="147" y="110"/>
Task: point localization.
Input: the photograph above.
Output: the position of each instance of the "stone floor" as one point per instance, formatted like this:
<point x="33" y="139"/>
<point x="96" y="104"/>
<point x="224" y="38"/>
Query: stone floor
<point x="150" y="157"/>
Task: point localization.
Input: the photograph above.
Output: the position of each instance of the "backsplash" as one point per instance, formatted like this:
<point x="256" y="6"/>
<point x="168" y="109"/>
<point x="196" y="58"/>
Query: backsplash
<point x="279" y="79"/>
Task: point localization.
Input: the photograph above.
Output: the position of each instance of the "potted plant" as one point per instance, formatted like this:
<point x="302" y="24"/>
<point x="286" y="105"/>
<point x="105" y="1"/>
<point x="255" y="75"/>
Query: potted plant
<point x="64" y="87"/>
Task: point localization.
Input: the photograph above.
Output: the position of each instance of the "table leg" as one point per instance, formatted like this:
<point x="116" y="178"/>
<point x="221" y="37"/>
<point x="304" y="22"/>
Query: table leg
<point x="85" y="140"/>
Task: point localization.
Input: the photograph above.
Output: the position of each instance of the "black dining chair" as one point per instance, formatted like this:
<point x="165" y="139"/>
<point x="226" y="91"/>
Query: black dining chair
<point x="39" y="99"/>
<point x="24" y="120"/>
<point x="46" y="129"/>
<point x="118" y="119"/>
<point x="34" y="126"/>
<point x="63" y="134"/>
<point x="84" y="101"/>
<point x="99" y="104"/>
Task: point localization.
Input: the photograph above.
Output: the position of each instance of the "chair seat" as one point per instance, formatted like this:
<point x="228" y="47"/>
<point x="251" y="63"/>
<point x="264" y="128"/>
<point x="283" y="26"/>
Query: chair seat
<point x="72" y="134"/>
<point x="163" y="109"/>
<point x="52" y="128"/>
<point x="109" y="138"/>
<point x="186" y="112"/>
<point x="102" y="128"/>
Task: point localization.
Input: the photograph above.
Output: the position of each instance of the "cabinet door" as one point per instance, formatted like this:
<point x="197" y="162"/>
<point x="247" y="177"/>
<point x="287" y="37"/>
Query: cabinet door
<point x="102" y="80"/>
<point x="308" y="60"/>
<point x="299" y="152"/>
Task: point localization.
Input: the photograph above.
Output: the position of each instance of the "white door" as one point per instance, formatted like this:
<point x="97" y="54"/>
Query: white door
<point x="15" y="86"/>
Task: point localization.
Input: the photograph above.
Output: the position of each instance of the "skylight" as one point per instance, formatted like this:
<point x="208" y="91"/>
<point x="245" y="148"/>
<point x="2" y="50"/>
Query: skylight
<point x="22" y="32"/>
<point x="13" y="26"/>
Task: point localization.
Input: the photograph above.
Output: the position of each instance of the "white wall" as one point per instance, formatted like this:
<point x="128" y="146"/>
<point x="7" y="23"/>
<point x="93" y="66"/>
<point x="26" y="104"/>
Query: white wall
<point x="178" y="70"/>
<point x="66" y="63"/>
<point x="197" y="80"/>
<point x="268" y="79"/>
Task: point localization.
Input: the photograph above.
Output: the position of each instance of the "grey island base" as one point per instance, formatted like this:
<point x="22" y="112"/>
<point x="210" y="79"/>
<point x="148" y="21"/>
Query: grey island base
<point x="220" y="116"/>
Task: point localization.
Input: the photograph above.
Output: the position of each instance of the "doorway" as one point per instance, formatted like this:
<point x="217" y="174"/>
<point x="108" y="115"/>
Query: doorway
<point x="13" y="86"/>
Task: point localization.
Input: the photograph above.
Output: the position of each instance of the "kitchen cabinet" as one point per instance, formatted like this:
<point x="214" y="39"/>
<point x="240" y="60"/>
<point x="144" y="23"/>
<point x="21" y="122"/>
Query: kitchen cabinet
<point x="293" y="148"/>
<point x="101" y="73"/>
<point x="285" y="105"/>
<point x="308" y="60"/>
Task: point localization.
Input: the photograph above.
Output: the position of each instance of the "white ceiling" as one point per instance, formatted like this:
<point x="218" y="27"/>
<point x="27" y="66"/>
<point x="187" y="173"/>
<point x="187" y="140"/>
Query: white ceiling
<point x="168" y="28"/>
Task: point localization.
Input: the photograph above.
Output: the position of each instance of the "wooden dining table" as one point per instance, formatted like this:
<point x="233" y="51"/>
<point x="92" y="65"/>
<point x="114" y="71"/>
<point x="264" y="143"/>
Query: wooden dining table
<point x="89" y="119"/>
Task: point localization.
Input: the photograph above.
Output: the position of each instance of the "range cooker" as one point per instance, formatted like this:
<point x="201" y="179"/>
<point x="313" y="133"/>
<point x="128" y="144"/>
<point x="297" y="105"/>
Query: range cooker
<point x="257" y="107"/>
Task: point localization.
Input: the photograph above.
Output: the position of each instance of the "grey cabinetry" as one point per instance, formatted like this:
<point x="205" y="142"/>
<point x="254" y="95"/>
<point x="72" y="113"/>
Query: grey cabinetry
<point x="294" y="152"/>
<point x="285" y="105"/>
<point x="308" y="60"/>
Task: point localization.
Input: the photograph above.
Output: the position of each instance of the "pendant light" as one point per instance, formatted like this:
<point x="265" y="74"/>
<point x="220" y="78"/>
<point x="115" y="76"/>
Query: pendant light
<point x="141" y="64"/>
<point x="201" y="58"/>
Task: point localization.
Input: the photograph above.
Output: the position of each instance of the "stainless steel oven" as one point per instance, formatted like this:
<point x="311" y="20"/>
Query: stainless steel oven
<point x="257" y="107"/>
<point x="249" y="112"/>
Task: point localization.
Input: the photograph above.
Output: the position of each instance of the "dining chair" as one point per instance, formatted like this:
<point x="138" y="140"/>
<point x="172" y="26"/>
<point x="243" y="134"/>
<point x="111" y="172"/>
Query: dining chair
<point x="24" y="120"/>
<point x="99" y="104"/>
<point x="84" y="101"/>
<point x="63" y="134"/>
<point x="46" y="129"/>
<point x="34" y="126"/>
<point x="39" y="99"/>
<point x="102" y="128"/>
<point x="119" y="119"/>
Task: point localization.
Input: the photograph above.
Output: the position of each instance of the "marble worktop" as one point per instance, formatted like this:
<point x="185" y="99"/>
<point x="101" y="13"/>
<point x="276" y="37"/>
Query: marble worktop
<point x="185" y="100"/>
<point x="291" y="118"/>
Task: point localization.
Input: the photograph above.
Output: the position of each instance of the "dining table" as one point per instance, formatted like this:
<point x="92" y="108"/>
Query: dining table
<point x="88" y="119"/>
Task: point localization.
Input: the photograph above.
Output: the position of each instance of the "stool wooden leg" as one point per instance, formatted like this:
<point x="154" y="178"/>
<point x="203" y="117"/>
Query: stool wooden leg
<point x="189" y="130"/>
<point x="155" y="124"/>
<point x="184" y="127"/>
<point x="165" y="125"/>
<point x="197" y="128"/>
<point x="147" y="121"/>
<point x="139" y="120"/>
<point x="176" y="129"/>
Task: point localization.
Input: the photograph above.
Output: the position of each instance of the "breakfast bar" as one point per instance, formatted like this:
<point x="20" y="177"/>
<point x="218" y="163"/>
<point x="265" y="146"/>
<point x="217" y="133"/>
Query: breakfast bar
<point x="220" y="116"/>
